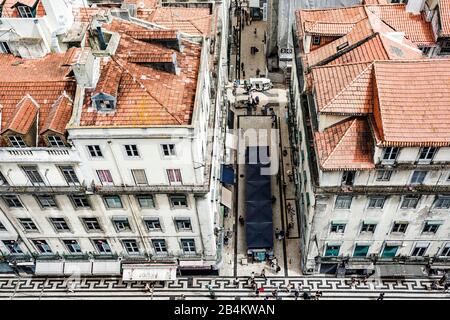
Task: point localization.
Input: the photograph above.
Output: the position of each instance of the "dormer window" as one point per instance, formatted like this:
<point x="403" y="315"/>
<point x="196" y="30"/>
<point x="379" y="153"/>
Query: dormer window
<point x="427" y="154"/>
<point x="390" y="154"/>
<point x="55" y="141"/>
<point x="17" y="142"/>
<point x="104" y="102"/>
<point x="316" y="40"/>
<point x="106" y="105"/>
<point x="25" y="12"/>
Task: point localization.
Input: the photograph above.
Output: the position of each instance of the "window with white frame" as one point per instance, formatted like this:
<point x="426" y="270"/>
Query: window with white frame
<point x="70" y="175"/>
<point x="390" y="154"/>
<point x="4" y="47"/>
<point x="95" y="151"/>
<point x="368" y="227"/>
<point x="55" y="141"/>
<point x="418" y="176"/>
<point x="183" y="224"/>
<point x="376" y="202"/>
<point x="384" y="175"/>
<point x="72" y="246"/>
<point x="12" y="201"/>
<point x="159" y="245"/>
<point x="131" y="150"/>
<point x="431" y="226"/>
<point x="174" y="176"/>
<point x="442" y="202"/>
<point x="188" y="246"/>
<point x="46" y="201"/>
<point x="152" y="224"/>
<point x="131" y="246"/>
<point x="60" y="224"/>
<point x="139" y="176"/>
<point x="343" y="202"/>
<point x="80" y="201"/>
<point x="28" y="224"/>
<point x="121" y="224"/>
<point x="25" y="12"/>
<point x="92" y="224"/>
<point x="399" y="227"/>
<point x="168" y="149"/>
<point x="102" y="246"/>
<point x="445" y="252"/>
<point x="42" y="246"/>
<point x="178" y="201"/>
<point x="410" y="202"/>
<point x="419" y="249"/>
<point x="427" y="154"/>
<point x="337" y="227"/>
<point x="105" y="177"/>
<point x="17" y="141"/>
<point x="13" y="246"/>
<point x="146" y="201"/>
<point x="33" y="175"/>
<point x="113" y="202"/>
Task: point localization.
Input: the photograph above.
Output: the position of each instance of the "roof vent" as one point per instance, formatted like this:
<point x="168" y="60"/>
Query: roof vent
<point x="342" y="46"/>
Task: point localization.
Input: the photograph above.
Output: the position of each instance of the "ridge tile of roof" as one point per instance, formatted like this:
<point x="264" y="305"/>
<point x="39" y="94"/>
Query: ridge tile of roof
<point x="347" y="145"/>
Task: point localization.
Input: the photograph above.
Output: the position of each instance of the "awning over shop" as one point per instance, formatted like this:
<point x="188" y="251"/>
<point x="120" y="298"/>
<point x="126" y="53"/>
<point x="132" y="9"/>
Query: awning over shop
<point x="227" y="174"/>
<point x="227" y="198"/>
<point x="400" y="270"/>
<point x="149" y="272"/>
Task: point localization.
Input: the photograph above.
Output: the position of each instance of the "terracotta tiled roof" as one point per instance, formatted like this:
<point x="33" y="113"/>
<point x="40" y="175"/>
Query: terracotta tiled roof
<point x="109" y="80"/>
<point x="414" y="102"/>
<point x="328" y="28"/>
<point x="44" y="80"/>
<point x="344" y="89"/>
<point x="9" y="11"/>
<point x="415" y="27"/>
<point x="59" y="115"/>
<point x="143" y="57"/>
<point x="85" y="14"/>
<point x="148" y="4"/>
<point x="347" y="145"/>
<point x="195" y="21"/>
<point x="444" y="14"/>
<point x="24" y="116"/>
<point x="157" y="34"/>
<point x="374" y="2"/>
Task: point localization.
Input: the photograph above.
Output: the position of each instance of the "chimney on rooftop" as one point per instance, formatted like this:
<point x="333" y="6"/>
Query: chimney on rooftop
<point x="415" y="6"/>
<point x="101" y="38"/>
<point x="87" y="69"/>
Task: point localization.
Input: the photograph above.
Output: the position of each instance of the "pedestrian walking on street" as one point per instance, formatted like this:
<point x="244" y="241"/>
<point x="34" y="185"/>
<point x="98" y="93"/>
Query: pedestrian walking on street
<point x="257" y="292"/>
<point x="256" y="33"/>
<point x="275" y="293"/>
<point x="243" y="74"/>
<point x="263" y="273"/>
<point x="236" y="282"/>
<point x="182" y="297"/>
<point x="318" y="295"/>
<point x="252" y="276"/>
<point x="257" y="71"/>
<point x="381" y="296"/>
<point x="241" y="220"/>
<point x="296" y="293"/>
<point x="242" y="65"/>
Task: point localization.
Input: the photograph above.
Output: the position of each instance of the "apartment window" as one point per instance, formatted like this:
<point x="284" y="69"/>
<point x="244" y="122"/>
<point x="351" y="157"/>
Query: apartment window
<point x="139" y="177"/>
<point x="121" y="224"/>
<point x="146" y="201"/>
<point x="427" y="154"/>
<point x="131" y="150"/>
<point x="3" y="181"/>
<point x="131" y="246"/>
<point x="361" y="250"/>
<point x="60" y="224"/>
<point x="17" y="141"/>
<point x="42" y="246"/>
<point x="445" y="251"/>
<point x="105" y="177"/>
<point x="80" y="201"/>
<point x="431" y="227"/>
<point x="376" y="202"/>
<point x="442" y="202"/>
<point x="112" y="202"/>
<point x="33" y="175"/>
<point x="4" y="47"/>
<point x="316" y="40"/>
<point x="445" y="47"/>
<point x="25" y="12"/>
<point x="348" y="178"/>
<point x="178" y="201"/>
<point x="152" y="224"/>
<point x="13" y="201"/>
<point x="419" y="250"/>
<point x="46" y="201"/>
<point x="410" y="202"/>
<point x="332" y="250"/>
<point x="102" y="246"/>
<point x="337" y="227"/>
<point x="174" y="176"/>
<point x="384" y="175"/>
<point x="343" y="202"/>
<point x="28" y="224"/>
<point x="390" y="154"/>
<point x="70" y="175"/>
<point x="418" y="177"/>
<point x="2" y="227"/>
<point x="159" y="245"/>
<point x="13" y="246"/>
<point x="72" y="246"/>
<point x="188" y="245"/>
<point x="183" y="224"/>
<point x="95" y="151"/>
<point x="168" y="149"/>
<point x="368" y="227"/>
<point x="389" y="251"/>
<point x="91" y="224"/>
<point x="55" y="141"/>
<point x="400" y="227"/>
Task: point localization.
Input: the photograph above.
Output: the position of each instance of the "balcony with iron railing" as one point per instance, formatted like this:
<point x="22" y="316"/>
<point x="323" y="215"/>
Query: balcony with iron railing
<point x="384" y="189"/>
<point x="36" y="155"/>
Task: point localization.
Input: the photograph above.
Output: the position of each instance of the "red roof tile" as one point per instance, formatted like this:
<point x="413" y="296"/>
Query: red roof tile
<point x="59" y="115"/>
<point x="444" y="14"/>
<point x="347" y="145"/>
<point x="328" y="28"/>
<point x="23" y="117"/>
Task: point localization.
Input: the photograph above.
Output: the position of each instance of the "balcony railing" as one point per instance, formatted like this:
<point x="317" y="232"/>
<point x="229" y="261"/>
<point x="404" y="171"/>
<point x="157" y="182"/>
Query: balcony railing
<point x="384" y="189"/>
<point x="6" y="189"/>
<point x="195" y="189"/>
<point x="23" y="155"/>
